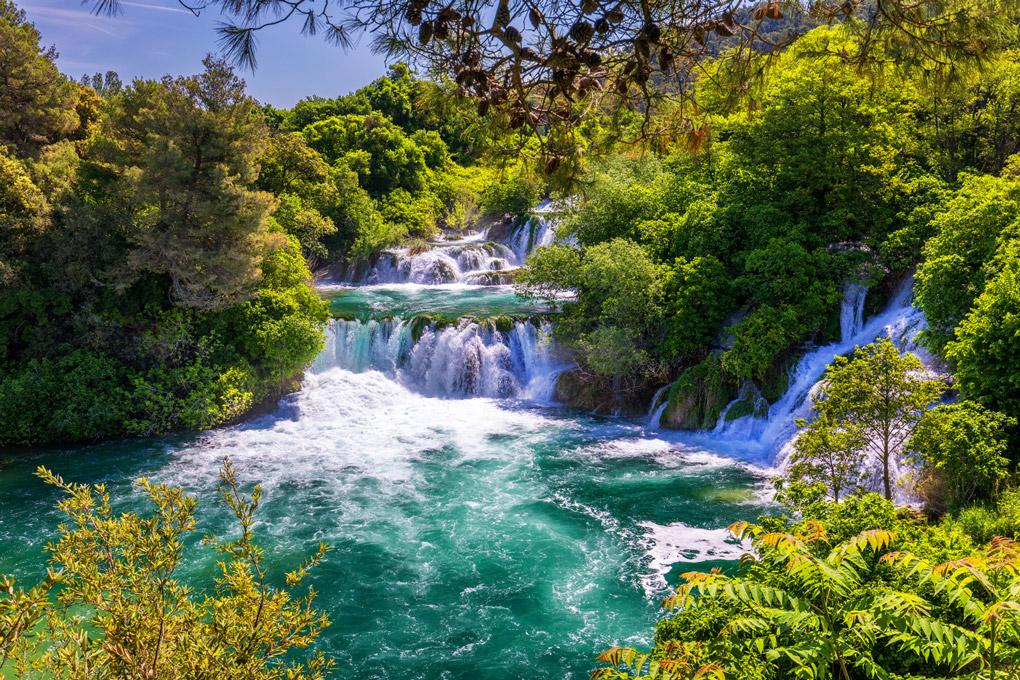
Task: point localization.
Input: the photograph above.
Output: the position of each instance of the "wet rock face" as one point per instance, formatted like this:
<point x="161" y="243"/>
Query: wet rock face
<point x="577" y="390"/>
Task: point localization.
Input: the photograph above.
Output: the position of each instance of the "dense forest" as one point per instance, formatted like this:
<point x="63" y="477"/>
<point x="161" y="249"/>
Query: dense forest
<point x="158" y="236"/>
<point x="157" y="247"/>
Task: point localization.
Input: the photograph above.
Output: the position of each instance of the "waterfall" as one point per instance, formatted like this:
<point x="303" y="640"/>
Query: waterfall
<point x="900" y="321"/>
<point x="469" y="260"/>
<point x="468" y="359"/>
<point x="851" y="313"/>
<point x="537" y="231"/>
<point x="656" y="410"/>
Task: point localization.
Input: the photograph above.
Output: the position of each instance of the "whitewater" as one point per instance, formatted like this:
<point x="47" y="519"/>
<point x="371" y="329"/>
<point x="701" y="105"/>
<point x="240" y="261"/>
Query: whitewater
<point x="480" y="530"/>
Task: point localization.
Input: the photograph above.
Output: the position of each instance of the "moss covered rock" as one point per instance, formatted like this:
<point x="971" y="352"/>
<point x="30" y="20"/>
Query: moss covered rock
<point x="698" y="396"/>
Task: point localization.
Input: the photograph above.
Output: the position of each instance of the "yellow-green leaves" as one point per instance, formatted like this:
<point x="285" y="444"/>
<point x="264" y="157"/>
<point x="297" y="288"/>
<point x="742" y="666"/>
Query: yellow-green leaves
<point x="122" y="612"/>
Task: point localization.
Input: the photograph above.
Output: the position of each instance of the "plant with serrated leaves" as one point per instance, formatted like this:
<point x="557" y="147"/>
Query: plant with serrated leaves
<point x="827" y="621"/>
<point x="674" y="661"/>
<point x="985" y="589"/>
<point x="121" y="611"/>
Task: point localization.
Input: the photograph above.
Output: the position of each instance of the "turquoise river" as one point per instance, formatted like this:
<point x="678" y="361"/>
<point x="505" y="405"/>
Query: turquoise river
<point x="479" y="530"/>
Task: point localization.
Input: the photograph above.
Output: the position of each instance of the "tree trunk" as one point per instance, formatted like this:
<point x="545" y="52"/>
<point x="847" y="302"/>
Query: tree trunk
<point x="885" y="477"/>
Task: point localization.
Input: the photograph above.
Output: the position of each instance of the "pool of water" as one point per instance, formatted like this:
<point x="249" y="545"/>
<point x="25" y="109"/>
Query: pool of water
<point x="409" y="299"/>
<point x="473" y="538"/>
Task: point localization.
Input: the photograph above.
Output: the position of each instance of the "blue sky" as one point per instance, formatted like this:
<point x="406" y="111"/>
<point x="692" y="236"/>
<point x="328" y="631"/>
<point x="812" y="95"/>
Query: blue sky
<point x="151" y="38"/>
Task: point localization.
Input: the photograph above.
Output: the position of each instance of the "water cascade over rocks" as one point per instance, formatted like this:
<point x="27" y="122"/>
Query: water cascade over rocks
<point x="901" y="322"/>
<point x="470" y="260"/>
<point x="472" y="520"/>
<point x="468" y="358"/>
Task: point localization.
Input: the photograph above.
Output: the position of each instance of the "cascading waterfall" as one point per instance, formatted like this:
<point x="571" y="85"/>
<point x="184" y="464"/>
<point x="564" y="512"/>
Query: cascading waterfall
<point x="470" y="260"/>
<point x="656" y="410"/>
<point x="469" y="359"/>
<point x="901" y="322"/>
<point x="532" y="233"/>
<point x="851" y="314"/>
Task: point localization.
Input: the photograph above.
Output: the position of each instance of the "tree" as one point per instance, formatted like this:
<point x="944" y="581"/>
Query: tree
<point x="880" y="395"/>
<point x="961" y="447"/>
<point x="36" y="101"/>
<point x="544" y="66"/>
<point x="121" y="611"/>
<point x="986" y="351"/>
<point x="186" y="150"/>
<point x="394" y="160"/>
<point x="959" y="259"/>
<point x="23" y="217"/>
<point x="107" y="85"/>
<point x="828" y="453"/>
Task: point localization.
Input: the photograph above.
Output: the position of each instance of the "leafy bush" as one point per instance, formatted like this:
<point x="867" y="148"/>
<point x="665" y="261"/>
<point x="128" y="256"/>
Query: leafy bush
<point x="121" y="609"/>
<point x="960" y="450"/>
<point x="514" y="196"/>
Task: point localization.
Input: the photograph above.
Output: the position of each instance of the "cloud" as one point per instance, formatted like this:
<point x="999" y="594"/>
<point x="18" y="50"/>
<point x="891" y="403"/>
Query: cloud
<point x="108" y="33"/>
<point x="159" y="8"/>
<point x="75" y="17"/>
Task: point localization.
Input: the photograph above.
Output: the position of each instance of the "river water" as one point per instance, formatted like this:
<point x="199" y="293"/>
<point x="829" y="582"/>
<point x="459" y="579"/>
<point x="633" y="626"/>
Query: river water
<point x="479" y="530"/>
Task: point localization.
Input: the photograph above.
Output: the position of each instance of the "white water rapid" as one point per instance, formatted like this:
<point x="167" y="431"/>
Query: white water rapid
<point x="471" y="260"/>
<point x="467" y="359"/>
<point x="901" y="322"/>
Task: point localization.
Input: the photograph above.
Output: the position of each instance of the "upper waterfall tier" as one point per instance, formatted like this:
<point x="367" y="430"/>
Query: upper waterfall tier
<point x="470" y="260"/>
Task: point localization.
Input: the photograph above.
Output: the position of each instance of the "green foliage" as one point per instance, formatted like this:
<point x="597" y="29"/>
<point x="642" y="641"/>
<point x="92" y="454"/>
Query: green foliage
<point x="960" y="450"/>
<point x="78" y="396"/>
<point x="394" y="160"/>
<point x="958" y="259"/>
<point x="23" y="217"/>
<point x="186" y="150"/>
<point x="514" y="196"/>
<point x="121" y="609"/>
<point x="144" y="286"/>
<point x="986" y="351"/>
<point x="37" y="103"/>
<point x="808" y="608"/>
<point x="875" y="399"/>
<point x="828" y="453"/>
<point x="696" y="296"/>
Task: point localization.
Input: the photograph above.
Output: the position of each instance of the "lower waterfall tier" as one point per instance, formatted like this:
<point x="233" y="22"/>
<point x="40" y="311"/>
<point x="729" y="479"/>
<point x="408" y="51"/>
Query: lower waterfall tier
<point x="469" y="358"/>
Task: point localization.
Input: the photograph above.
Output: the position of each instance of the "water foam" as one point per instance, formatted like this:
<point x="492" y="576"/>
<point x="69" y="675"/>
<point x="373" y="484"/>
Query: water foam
<point x="467" y="359"/>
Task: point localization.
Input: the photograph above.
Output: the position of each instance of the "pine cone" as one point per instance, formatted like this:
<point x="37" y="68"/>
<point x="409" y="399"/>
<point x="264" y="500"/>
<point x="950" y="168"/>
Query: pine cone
<point x="665" y="58"/>
<point x="503" y="15"/>
<point x="615" y="16"/>
<point x="512" y="35"/>
<point x="425" y="33"/>
<point x="589" y="6"/>
<point x="582" y="31"/>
